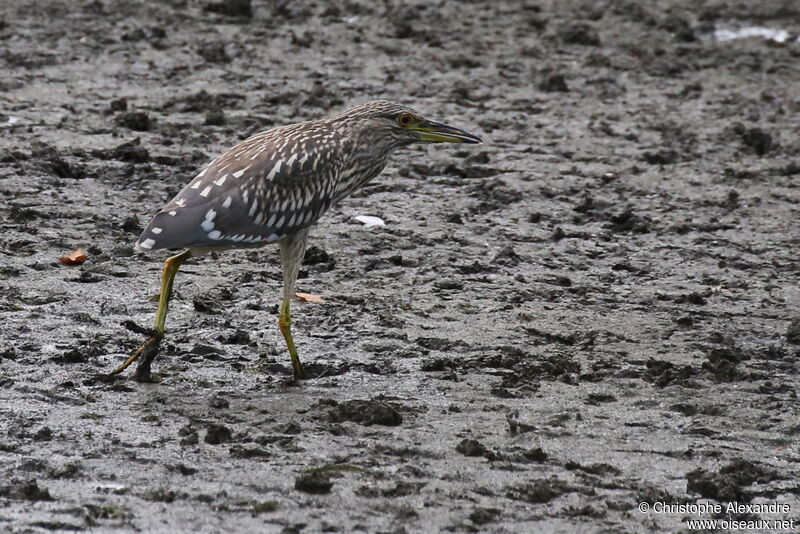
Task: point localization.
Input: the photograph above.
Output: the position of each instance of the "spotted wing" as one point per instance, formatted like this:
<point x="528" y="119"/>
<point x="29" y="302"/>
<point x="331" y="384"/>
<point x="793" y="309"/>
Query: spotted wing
<point x="266" y="187"/>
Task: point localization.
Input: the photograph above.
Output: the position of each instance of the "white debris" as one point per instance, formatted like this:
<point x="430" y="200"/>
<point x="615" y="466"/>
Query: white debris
<point x="770" y="34"/>
<point x="369" y="221"/>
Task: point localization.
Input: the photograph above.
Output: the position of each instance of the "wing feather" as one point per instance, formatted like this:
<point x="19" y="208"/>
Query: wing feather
<point x="258" y="192"/>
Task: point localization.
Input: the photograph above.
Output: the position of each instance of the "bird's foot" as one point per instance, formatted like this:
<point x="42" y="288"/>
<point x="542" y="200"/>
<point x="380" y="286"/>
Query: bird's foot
<point x="147" y="352"/>
<point x="297" y="370"/>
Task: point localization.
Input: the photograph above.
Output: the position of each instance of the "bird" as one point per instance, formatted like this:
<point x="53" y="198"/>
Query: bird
<point x="271" y="188"/>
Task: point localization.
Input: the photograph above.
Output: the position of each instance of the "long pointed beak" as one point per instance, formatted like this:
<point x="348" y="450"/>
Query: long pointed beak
<point x="436" y="132"/>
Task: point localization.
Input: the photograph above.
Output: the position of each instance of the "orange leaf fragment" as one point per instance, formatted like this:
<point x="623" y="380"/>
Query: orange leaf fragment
<point x="76" y="257"/>
<point x="308" y="297"/>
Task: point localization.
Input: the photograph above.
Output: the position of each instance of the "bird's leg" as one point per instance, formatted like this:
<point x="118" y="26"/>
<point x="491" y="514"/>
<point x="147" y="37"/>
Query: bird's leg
<point x="149" y="348"/>
<point x="285" y="324"/>
<point x="293" y="249"/>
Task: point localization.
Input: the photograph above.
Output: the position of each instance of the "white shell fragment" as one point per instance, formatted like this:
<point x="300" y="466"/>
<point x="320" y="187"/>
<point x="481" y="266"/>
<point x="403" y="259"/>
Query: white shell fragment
<point x="369" y="221"/>
<point x="770" y="34"/>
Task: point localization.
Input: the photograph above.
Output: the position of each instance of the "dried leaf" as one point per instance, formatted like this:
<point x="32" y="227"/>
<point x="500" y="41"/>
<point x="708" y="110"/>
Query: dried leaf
<point x="308" y="297"/>
<point x="76" y="257"/>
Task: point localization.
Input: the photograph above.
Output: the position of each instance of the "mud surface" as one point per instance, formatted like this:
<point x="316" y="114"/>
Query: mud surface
<point x="598" y="307"/>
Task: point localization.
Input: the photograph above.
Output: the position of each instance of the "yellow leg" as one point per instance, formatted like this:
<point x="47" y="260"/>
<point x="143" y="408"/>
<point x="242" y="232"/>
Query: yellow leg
<point x="292" y="251"/>
<point x="285" y="324"/>
<point x="149" y="348"/>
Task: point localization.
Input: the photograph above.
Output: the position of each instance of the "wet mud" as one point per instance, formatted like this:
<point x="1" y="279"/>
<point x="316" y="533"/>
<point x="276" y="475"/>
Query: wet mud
<point x="598" y="307"/>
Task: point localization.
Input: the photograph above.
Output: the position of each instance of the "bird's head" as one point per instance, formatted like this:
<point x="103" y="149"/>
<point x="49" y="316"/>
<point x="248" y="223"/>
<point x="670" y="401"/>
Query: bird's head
<point x="387" y="122"/>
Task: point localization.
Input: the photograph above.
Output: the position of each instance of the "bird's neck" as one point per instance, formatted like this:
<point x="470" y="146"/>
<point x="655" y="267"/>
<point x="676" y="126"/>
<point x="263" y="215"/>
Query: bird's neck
<point x="363" y="162"/>
<point x="370" y="153"/>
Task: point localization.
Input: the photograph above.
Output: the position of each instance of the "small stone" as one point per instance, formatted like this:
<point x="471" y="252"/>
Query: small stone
<point x="120" y="104"/>
<point x="72" y="356"/>
<point x="216" y="434"/>
<point x="215" y="117"/>
<point x="315" y="255"/>
<point x="535" y="455"/>
<point x="190" y="439"/>
<point x="471" y="447"/>
<point x="214" y="52"/>
<point x="665" y="156"/>
<point x="580" y="34"/>
<point x="27" y="490"/>
<point x="372" y="412"/>
<point x="231" y="8"/>
<point x="43" y="434"/>
<point x="554" y="83"/>
<point x="313" y="482"/>
<point x="539" y="491"/>
<point x="449" y="284"/>
<point x="219" y="403"/>
<point x="695" y="298"/>
<point x="481" y="516"/>
<point x="760" y="141"/>
<point x="249" y="452"/>
<point x="135" y="120"/>
<point x="131" y="225"/>
<point x="132" y="151"/>
<point x="239" y="337"/>
<point x="185" y="470"/>
<point x="506" y="256"/>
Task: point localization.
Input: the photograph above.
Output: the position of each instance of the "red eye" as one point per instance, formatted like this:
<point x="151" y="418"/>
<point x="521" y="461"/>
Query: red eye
<point x="404" y="119"/>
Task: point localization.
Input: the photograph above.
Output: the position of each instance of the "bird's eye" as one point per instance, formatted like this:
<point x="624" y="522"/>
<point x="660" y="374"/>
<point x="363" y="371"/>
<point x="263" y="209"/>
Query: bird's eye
<point x="404" y="119"/>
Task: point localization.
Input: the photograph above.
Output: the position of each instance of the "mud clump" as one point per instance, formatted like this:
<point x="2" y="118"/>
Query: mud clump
<point x="540" y="491"/>
<point x="554" y="82"/>
<point x="214" y="52"/>
<point x="471" y="447"/>
<point x="131" y="151"/>
<point x="232" y="8"/>
<point x="758" y="140"/>
<point x="730" y="482"/>
<point x="665" y="156"/>
<point x="25" y="490"/>
<point x="320" y="259"/>
<point x="580" y="34"/>
<point x="216" y="434"/>
<point x="314" y="482"/>
<point x="366" y="412"/>
<point x="484" y="516"/>
<point x="662" y="373"/>
<point x="139" y="121"/>
<point x="722" y="363"/>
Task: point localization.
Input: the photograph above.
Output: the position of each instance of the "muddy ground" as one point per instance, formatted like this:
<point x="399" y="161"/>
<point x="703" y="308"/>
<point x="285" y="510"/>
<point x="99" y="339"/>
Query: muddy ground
<point x="592" y="310"/>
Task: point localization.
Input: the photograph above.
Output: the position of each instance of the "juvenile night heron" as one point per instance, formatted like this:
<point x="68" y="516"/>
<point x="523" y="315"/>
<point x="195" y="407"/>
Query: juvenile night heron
<point x="271" y="188"/>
